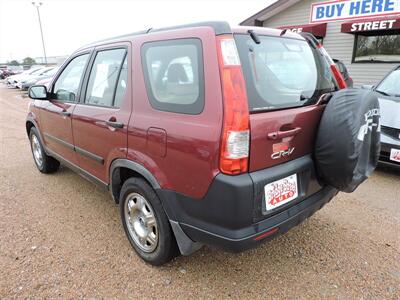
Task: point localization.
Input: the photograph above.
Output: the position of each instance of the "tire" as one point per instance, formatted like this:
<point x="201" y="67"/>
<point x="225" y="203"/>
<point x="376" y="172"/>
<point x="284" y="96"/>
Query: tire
<point x="145" y="223"/>
<point x="348" y="140"/>
<point x="45" y="163"/>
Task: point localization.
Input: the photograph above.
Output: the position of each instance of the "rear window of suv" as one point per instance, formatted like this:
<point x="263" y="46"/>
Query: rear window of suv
<point x="173" y="72"/>
<point x="282" y="72"/>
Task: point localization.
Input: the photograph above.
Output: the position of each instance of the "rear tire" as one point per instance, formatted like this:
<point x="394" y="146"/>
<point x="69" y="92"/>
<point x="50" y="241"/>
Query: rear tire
<point x="145" y="223"/>
<point x="45" y="164"/>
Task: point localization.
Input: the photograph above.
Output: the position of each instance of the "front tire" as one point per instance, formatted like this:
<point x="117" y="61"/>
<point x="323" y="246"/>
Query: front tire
<point x="145" y="222"/>
<point x="44" y="163"/>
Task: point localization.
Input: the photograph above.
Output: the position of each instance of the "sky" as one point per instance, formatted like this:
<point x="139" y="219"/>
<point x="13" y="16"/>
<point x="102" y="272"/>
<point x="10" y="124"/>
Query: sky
<point x="68" y="25"/>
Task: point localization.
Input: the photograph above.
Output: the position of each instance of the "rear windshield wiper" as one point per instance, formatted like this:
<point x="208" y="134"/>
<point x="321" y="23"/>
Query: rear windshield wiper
<point x="382" y="93"/>
<point x="302" y="97"/>
<point x="254" y="36"/>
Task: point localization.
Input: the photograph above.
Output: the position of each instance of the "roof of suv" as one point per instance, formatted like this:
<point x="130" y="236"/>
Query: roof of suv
<point x="220" y="27"/>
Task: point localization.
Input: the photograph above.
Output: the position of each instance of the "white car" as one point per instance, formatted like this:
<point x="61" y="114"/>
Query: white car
<point x="12" y="80"/>
<point x="26" y="82"/>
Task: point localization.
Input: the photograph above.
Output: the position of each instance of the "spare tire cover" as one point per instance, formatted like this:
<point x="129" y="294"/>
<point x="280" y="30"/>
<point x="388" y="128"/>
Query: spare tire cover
<point x="348" y="140"/>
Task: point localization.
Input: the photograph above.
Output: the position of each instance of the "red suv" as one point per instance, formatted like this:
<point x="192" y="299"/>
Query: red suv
<point x="203" y="133"/>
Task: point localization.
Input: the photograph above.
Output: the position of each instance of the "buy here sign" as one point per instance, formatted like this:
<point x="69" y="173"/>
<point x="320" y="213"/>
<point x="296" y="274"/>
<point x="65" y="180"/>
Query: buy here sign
<point x="352" y="9"/>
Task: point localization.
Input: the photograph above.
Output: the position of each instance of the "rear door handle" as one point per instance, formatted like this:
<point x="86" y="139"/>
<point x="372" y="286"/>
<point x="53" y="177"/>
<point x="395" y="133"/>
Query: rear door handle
<point x="65" y="113"/>
<point x="115" y="124"/>
<point x="283" y="134"/>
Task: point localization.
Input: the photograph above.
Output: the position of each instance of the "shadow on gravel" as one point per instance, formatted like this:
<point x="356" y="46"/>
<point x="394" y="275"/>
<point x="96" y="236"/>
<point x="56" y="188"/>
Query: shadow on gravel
<point x="319" y="257"/>
<point x="291" y="244"/>
<point x="388" y="170"/>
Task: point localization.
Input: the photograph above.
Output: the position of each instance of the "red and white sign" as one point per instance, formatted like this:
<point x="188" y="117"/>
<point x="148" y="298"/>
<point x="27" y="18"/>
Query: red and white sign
<point x="280" y="192"/>
<point x="319" y="30"/>
<point x="371" y="25"/>
<point x="395" y="155"/>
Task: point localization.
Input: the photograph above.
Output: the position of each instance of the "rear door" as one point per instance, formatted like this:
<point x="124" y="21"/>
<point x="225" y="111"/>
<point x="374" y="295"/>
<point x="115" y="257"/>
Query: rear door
<point x="285" y="78"/>
<point x="100" y="118"/>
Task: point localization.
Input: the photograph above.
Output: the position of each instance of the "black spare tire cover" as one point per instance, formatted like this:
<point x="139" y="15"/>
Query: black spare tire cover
<point x="348" y="140"/>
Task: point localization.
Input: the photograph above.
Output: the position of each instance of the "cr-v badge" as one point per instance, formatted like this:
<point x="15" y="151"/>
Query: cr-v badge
<point x="282" y="153"/>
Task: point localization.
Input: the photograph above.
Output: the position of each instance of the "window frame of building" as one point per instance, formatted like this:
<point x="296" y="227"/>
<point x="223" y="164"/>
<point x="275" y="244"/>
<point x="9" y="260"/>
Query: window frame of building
<point x="355" y="45"/>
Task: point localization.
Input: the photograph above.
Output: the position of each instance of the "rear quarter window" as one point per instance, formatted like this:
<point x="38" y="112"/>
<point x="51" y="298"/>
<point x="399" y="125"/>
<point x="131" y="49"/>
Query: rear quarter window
<point x="174" y="75"/>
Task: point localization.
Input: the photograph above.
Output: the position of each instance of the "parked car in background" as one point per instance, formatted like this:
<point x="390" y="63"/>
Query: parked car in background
<point x="25" y="82"/>
<point x="13" y="80"/>
<point x="4" y="73"/>
<point x="46" y="82"/>
<point x="388" y="91"/>
<point x="215" y="138"/>
<point x="345" y="73"/>
<point x="17" y="69"/>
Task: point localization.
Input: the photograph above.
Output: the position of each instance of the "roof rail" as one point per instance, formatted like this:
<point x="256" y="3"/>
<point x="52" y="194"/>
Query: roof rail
<point x="220" y="27"/>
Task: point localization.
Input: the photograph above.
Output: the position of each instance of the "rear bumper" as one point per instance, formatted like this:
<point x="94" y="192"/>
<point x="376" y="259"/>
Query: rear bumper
<point x="232" y="216"/>
<point x="278" y="224"/>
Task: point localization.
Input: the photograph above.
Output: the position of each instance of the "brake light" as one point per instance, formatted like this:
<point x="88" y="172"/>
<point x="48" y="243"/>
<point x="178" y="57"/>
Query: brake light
<point x="235" y="140"/>
<point x="338" y="76"/>
<point x="335" y="71"/>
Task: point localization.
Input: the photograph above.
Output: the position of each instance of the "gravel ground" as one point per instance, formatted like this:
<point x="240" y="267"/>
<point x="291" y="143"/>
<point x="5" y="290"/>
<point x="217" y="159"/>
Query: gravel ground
<point x="61" y="237"/>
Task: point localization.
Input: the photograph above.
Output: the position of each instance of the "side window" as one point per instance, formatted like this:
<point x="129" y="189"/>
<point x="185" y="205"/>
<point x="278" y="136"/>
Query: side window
<point x="104" y="76"/>
<point x="174" y="77"/>
<point x="67" y="84"/>
<point x="121" y="85"/>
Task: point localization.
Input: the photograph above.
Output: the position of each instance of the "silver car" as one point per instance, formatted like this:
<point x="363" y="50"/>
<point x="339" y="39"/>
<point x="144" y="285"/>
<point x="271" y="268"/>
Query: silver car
<point x="388" y="91"/>
<point x="13" y="80"/>
<point x="26" y="82"/>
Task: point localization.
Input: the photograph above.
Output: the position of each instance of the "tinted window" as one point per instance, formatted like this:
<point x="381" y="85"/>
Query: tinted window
<point x="104" y="76"/>
<point x="122" y="83"/>
<point x="342" y="68"/>
<point x="174" y="75"/>
<point x="67" y="84"/>
<point x="282" y="72"/>
<point x="377" y="48"/>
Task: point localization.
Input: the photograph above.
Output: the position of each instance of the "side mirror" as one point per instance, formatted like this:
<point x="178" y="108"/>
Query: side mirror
<point x="65" y="95"/>
<point x="367" y="87"/>
<point x="38" y="92"/>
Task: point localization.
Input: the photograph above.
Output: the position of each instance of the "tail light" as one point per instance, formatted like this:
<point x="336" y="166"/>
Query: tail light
<point x="338" y="76"/>
<point x="235" y="140"/>
<point x="335" y="71"/>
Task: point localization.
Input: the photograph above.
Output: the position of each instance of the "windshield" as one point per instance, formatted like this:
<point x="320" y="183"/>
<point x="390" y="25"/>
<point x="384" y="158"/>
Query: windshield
<point x="282" y="72"/>
<point x="35" y="71"/>
<point x="391" y="84"/>
<point x="52" y="71"/>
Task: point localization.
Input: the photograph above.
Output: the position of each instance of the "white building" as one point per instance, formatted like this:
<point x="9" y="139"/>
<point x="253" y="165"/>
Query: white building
<point x="364" y="34"/>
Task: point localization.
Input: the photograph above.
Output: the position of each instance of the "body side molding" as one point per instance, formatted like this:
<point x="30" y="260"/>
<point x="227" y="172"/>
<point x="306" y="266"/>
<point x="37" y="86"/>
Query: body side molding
<point x="77" y="149"/>
<point x="78" y="170"/>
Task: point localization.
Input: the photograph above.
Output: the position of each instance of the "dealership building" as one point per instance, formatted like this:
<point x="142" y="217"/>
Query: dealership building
<point x="364" y="34"/>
